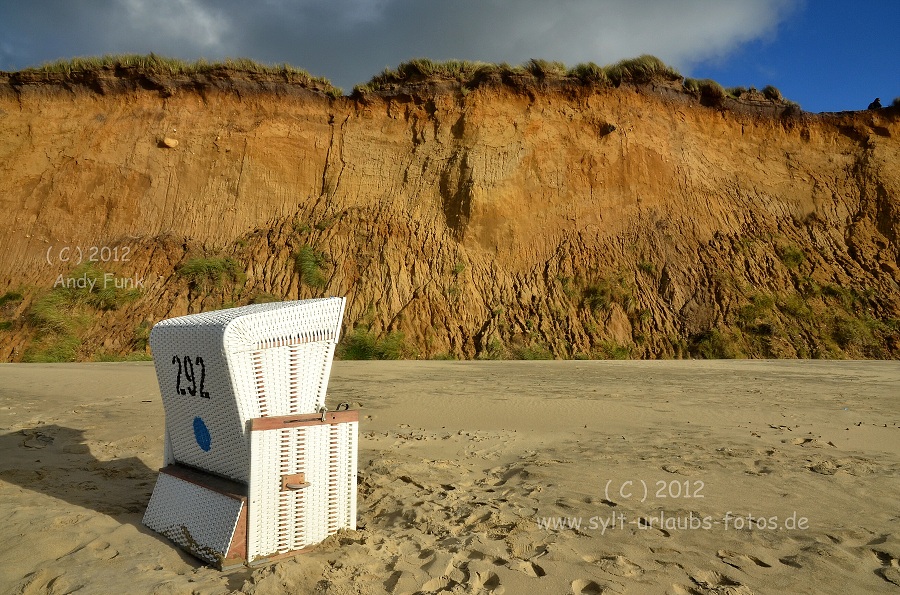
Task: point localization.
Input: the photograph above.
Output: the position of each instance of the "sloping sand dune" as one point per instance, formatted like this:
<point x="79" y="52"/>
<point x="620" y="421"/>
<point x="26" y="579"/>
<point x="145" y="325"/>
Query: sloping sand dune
<point x="495" y="477"/>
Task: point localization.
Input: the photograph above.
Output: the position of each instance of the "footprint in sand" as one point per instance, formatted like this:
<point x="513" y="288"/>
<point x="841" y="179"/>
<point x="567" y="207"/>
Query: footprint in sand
<point x="715" y="583"/>
<point x="792" y="561"/>
<point x="568" y="503"/>
<point x="810" y="442"/>
<point x="582" y="587"/>
<point x="68" y="520"/>
<point x="890" y="570"/>
<point x="858" y="465"/>
<point x="678" y="469"/>
<point x="589" y="587"/>
<point x="891" y="575"/>
<point x="760" y="467"/>
<point x="390" y="584"/>
<point x="526" y="545"/>
<point x="23" y="477"/>
<point x="823" y="467"/>
<point x="475" y="520"/>
<point x="46" y="581"/>
<point x="35" y="439"/>
<point x="529" y="568"/>
<point x="506" y="474"/>
<point x="851" y="537"/>
<point x="102" y="550"/>
<point x="620" y="566"/>
<point x="741" y="561"/>
<point x="438" y="563"/>
<point x="488" y="581"/>
<point x="648" y="524"/>
<point x="616" y="565"/>
<point x="438" y="584"/>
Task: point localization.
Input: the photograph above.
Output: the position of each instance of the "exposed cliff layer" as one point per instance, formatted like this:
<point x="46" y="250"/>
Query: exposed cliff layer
<point x="509" y="220"/>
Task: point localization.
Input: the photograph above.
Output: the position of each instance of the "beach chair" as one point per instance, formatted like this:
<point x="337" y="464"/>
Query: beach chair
<point x="255" y="467"/>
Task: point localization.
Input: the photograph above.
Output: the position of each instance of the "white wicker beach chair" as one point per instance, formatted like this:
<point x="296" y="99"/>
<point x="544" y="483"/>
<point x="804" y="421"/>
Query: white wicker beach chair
<point x="255" y="468"/>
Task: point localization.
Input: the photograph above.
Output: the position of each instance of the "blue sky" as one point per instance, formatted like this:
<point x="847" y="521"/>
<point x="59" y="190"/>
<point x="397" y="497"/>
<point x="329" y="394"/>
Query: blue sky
<point x="827" y="55"/>
<point x="824" y="54"/>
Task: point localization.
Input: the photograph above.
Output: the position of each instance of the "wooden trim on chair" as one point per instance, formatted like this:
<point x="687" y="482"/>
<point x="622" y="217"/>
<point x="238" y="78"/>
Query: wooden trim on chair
<point x="226" y="487"/>
<point x="237" y="553"/>
<point x="307" y="419"/>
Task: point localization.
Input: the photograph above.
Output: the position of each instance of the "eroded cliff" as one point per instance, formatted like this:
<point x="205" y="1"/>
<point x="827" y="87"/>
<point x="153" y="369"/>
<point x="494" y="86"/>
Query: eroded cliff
<point x="510" y="220"/>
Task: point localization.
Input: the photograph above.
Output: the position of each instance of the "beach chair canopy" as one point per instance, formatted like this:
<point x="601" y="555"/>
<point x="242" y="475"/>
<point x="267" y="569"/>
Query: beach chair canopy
<point x="219" y="370"/>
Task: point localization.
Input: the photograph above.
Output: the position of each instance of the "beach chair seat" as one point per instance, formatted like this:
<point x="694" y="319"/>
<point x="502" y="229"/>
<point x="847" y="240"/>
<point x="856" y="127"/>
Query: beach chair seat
<point x="255" y="468"/>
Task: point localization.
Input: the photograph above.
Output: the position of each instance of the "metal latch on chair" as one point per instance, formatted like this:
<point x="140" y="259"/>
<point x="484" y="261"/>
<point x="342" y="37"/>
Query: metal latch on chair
<point x="294" y="482"/>
<point x="342" y="406"/>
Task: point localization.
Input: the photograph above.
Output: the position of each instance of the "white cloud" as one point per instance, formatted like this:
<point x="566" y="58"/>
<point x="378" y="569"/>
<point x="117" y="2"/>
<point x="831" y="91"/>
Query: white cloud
<point x="351" y="40"/>
<point x="357" y="12"/>
<point x="681" y="33"/>
<point x="340" y="12"/>
<point x="185" y="22"/>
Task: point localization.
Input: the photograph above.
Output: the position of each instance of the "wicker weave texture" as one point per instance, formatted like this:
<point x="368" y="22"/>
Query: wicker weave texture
<point x="217" y="370"/>
<point x="282" y="521"/>
<point x="199" y="520"/>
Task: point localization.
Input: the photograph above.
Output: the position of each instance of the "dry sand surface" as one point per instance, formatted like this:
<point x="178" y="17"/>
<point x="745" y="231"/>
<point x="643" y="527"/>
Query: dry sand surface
<point x="475" y="475"/>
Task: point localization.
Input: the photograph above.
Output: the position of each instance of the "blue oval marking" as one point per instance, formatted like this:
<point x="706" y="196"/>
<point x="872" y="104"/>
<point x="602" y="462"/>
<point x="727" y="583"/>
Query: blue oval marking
<point x="201" y="434"/>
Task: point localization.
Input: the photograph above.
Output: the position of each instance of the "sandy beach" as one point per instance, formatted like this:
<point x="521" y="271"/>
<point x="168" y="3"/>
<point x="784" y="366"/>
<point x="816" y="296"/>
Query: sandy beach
<point x="679" y="477"/>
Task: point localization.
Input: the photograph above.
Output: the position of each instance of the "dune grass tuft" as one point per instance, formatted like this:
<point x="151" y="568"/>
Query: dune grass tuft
<point x="772" y="93"/>
<point x="209" y="272"/>
<point x="643" y="69"/>
<point x="424" y="69"/>
<point x="589" y="73"/>
<point x="363" y="344"/>
<point x="11" y="297"/>
<point x="544" y="68"/>
<point x="309" y="263"/>
<point x="707" y="89"/>
<point x="469" y="74"/>
<point x="152" y="64"/>
<point x="60" y="315"/>
<point x="636" y="70"/>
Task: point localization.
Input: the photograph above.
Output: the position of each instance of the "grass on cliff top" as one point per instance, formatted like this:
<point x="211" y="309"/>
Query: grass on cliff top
<point x="705" y="88"/>
<point x="423" y="69"/>
<point x="469" y="74"/>
<point x="642" y="69"/>
<point x="162" y="66"/>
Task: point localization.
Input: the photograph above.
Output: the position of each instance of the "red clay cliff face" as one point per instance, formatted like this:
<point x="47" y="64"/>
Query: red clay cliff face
<point x="506" y="221"/>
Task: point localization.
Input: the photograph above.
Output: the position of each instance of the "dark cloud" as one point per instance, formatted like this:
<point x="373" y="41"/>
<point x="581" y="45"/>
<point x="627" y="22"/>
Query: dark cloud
<point x="351" y="40"/>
